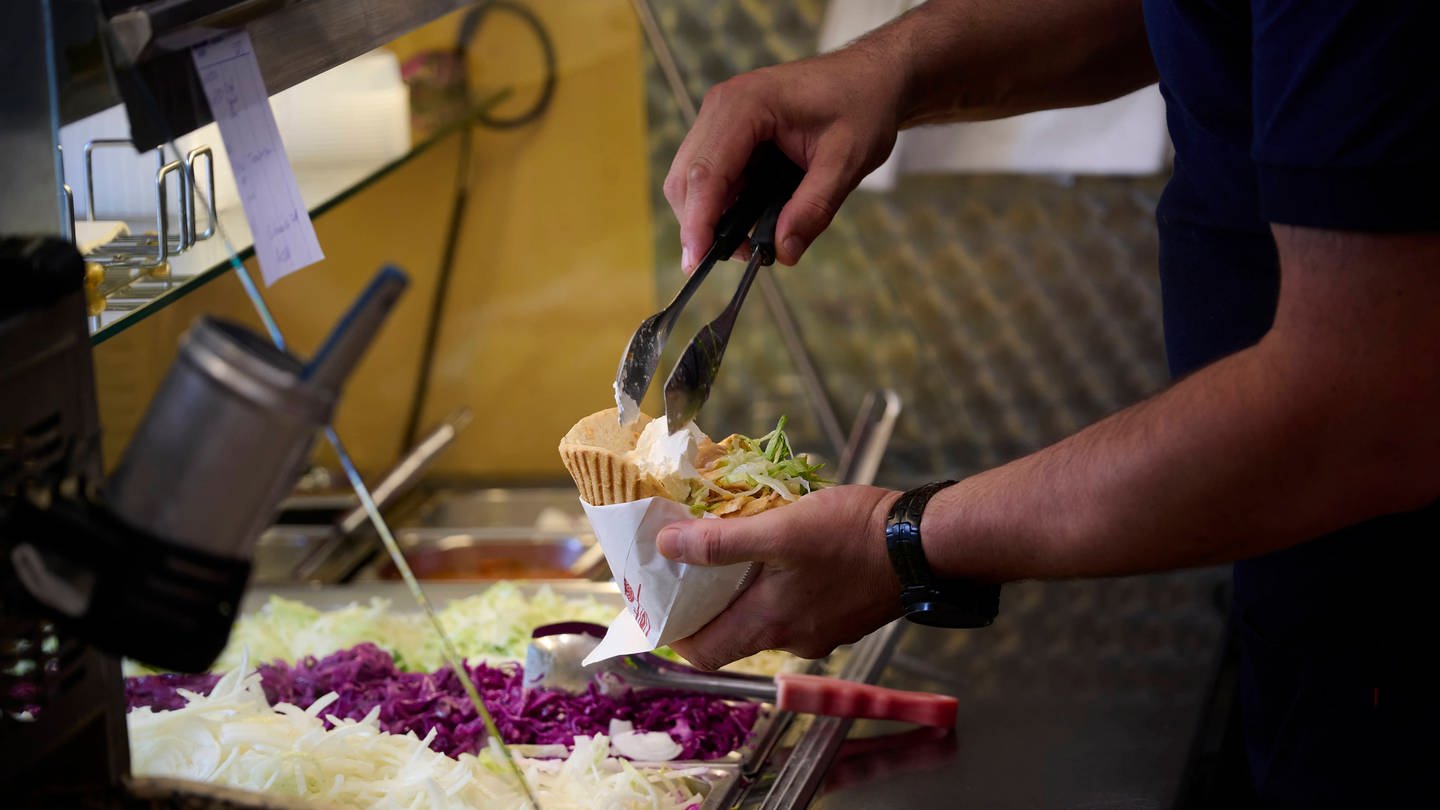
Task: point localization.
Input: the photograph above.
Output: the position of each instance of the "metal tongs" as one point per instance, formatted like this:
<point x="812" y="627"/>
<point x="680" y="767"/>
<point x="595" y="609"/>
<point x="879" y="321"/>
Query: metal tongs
<point x="770" y="179"/>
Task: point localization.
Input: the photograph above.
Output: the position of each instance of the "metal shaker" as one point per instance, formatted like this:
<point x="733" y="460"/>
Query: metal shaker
<point x="230" y="429"/>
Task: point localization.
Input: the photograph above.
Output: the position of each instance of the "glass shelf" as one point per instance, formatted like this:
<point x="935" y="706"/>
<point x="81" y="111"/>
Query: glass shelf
<point x="132" y="295"/>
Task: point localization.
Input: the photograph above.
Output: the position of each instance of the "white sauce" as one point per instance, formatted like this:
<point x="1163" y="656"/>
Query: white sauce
<point x="668" y="457"/>
<point x="623" y="401"/>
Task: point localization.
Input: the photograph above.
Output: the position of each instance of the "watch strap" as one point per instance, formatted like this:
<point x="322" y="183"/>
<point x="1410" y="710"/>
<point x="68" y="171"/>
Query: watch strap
<point x="902" y="535"/>
<point x="924" y="598"/>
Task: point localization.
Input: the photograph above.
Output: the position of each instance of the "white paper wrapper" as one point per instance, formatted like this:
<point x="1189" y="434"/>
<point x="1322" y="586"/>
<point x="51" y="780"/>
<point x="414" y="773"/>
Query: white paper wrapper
<point x="664" y="600"/>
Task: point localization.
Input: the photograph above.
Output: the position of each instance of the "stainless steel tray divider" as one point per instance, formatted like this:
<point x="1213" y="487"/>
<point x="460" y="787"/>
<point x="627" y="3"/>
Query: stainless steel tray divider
<point x="800" y="777"/>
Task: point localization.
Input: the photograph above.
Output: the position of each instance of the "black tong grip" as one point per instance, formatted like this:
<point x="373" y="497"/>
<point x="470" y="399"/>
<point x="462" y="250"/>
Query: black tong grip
<point x="770" y="179"/>
<point x="762" y="241"/>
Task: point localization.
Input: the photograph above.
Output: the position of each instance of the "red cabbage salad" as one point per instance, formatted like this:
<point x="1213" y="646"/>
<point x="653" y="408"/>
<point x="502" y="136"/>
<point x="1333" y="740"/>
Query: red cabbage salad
<point x="433" y="704"/>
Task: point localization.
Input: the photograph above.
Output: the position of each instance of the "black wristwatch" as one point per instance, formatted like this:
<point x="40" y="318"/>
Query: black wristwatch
<point x="925" y="599"/>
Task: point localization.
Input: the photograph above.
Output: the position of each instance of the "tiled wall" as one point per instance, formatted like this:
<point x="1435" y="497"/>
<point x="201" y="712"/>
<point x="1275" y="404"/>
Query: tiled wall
<point x="1007" y="311"/>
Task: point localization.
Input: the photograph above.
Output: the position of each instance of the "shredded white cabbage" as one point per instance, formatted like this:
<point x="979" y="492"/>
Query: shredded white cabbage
<point x="233" y="738"/>
<point x="645" y="746"/>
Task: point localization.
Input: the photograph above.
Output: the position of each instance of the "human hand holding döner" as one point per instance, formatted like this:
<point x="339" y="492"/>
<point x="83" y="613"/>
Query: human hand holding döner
<point x="825" y="579"/>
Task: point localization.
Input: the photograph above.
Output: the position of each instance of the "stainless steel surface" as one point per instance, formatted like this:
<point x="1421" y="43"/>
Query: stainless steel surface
<point x="817" y="396"/>
<point x="1083" y="694"/>
<point x="281" y="548"/>
<point x="221" y="443"/>
<point x="660" y="46"/>
<point x="404" y="475"/>
<point x="716" y="783"/>
<point x="32" y="202"/>
<point x="212" y="216"/>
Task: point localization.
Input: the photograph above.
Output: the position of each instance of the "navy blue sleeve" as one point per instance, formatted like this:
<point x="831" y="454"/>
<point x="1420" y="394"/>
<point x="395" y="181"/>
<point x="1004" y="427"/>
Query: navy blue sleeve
<point x="1346" y="99"/>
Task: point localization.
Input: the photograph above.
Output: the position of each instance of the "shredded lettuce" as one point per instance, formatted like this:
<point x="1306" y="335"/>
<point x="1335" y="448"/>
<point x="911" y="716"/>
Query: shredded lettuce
<point x="493" y="626"/>
<point x="752" y="469"/>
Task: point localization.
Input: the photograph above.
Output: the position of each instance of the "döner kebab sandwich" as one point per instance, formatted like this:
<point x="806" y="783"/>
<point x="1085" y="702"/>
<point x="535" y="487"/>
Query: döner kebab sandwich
<point x="736" y="476"/>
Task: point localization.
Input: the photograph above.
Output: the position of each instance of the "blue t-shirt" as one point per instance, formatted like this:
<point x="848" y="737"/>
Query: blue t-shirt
<point x="1326" y="114"/>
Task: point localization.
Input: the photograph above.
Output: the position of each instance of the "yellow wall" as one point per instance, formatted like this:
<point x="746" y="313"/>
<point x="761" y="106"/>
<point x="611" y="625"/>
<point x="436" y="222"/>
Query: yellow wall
<point x="553" y="268"/>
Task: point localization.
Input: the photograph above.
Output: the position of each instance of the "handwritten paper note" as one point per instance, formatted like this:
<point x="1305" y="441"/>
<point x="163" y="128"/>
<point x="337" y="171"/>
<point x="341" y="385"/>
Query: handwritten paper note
<point x="284" y="236"/>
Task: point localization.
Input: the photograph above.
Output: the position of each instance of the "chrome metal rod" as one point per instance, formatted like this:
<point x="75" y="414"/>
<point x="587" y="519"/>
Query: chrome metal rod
<point x="655" y="35"/>
<point x="869" y="436"/>
<point x="400" y="479"/>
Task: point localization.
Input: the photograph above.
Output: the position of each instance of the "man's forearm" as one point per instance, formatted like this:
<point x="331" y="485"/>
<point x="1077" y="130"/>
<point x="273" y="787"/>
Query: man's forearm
<point x="970" y="60"/>
<point x="1328" y="421"/>
<point x="1228" y="464"/>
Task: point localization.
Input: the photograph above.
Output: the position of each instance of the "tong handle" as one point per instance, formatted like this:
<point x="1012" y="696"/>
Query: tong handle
<point x="770" y="179"/>
<point x="833" y="697"/>
<point x="762" y="241"/>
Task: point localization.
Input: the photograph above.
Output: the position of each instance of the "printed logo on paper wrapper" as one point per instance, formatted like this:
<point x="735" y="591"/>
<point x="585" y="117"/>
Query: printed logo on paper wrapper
<point x="632" y="600"/>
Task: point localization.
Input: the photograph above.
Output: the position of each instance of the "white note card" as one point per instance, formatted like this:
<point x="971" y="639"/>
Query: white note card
<point x="284" y="236"/>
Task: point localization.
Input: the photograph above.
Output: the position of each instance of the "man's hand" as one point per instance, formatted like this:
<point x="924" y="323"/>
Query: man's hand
<point x="826" y="578"/>
<point x="837" y="115"/>
<point x="833" y="115"/>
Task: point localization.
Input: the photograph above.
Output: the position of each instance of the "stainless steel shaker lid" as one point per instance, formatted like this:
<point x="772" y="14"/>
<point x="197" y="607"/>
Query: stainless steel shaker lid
<point x="254" y="368"/>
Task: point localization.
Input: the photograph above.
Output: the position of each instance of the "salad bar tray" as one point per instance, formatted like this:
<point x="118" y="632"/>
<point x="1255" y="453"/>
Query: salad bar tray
<point x="293" y="626"/>
<point x="769" y="726"/>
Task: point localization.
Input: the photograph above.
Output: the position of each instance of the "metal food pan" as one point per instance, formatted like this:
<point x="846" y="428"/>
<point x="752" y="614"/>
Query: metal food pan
<point x="507" y="508"/>
<point x="446" y="533"/>
<point x="495" y="554"/>
<point x="719" y="784"/>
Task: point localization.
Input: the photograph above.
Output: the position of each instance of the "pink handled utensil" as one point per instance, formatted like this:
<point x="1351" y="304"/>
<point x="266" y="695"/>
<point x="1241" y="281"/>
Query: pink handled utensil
<point x="553" y="659"/>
